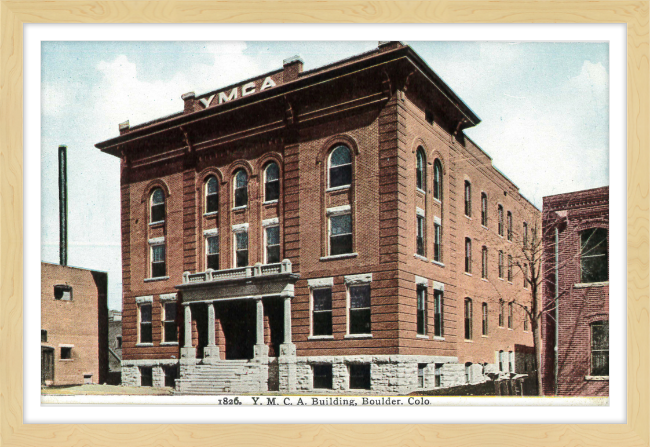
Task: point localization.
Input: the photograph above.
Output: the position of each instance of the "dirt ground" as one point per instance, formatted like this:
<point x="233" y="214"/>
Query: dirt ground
<point x="105" y="390"/>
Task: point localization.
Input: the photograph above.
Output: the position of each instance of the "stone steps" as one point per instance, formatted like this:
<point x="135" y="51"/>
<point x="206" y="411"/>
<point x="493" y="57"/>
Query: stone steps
<point x="229" y="376"/>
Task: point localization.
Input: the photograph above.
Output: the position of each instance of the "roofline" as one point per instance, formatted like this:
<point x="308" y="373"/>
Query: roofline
<point x="74" y="267"/>
<point x="580" y="191"/>
<point x="404" y="51"/>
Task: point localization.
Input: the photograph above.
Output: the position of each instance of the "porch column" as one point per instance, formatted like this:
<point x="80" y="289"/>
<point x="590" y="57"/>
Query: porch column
<point x="188" y="352"/>
<point x="261" y="350"/>
<point x="287" y="319"/>
<point x="211" y="351"/>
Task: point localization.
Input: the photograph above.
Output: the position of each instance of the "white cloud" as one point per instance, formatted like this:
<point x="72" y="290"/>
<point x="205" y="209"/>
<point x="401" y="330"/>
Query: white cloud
<point x="53" y="99"/>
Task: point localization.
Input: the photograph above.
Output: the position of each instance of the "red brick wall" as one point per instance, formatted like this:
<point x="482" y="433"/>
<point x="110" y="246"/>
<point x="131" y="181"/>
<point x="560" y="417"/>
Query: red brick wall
<point x="579" y="305"/>
<point x="82" y="322"/>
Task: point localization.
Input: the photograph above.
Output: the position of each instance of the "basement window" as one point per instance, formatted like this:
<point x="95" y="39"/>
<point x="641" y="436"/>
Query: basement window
<point x="360" y="376"/>
<point x="171" y="374"/>
<point x="66" y="353"/>
<point x="322" y="376"/>
<point x="63" y="292"/>
<point x="146" y="376"/>
<point x="421" y="367"/>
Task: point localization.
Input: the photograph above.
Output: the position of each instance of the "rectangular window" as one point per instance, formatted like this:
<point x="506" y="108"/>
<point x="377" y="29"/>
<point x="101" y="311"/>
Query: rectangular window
<point x="510" y="268"/>
<point x="360" y="376"/>
<point x="420" y="235"/>
<point x="158" y="265"/>
<point x="600" y="348"/>
<point x="484" y="213"/>
<point x="146" y="376"/>
<point x="502" y="361"/>
<point x="421" y="369"/>
<point x="510" y="314"/>
<point x="241" y="249"/>
<point x="468" y="199"/>
<point x="509" y="226"/>
<point x="359" y="309"/>
<point x="468" y="319"/>
<point x="525" y="234"/>
<point x="340" y="234"/>
<point x="438" y="375"/>
<point x="118" y="342"/>
<point x="512" y="361"/>
<point x="468" y="255"/>
<point x="501" y="312"/>
<point x="526" y="318"/>
<point x="437" y="243"/>
<point x="169" y="323"/>
<point x="422" y="309"/>
<point x="322" y="311"/>
<point x="43" y="336"/>
<point x="212" y="250"/>
<point x="66" y="353"/>
<point x="593" y="256"/>
<point x="322" y="376"/>
<point x="171" y="374"/>
<point x="63" y="292"/>
<point x="484" y="263"/>
<point x="272" y="245"/>
<point x="525" y="273"/>
<point x="145" y="324"/>
<point x="484" y="328"/>
<point x="437" y="314"/>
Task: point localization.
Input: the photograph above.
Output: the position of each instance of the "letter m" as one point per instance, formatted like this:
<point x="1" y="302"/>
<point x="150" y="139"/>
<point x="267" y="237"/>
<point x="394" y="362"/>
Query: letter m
<point x="233" y="95"/>
<point x="271" y="401"/>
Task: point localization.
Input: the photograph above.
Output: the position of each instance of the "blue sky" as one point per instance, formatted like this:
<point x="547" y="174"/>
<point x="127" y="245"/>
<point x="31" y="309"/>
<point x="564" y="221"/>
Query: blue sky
<point x="544" y="110"/>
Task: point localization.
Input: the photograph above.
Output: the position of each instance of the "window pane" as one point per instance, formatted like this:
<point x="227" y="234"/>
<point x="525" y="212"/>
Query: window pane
<point x="158" y="269"/>
<point x="158" y="252"/>
<point x="212" y="186"/>
<point x="170" y="311"/>
<point x="359" y="321"/>
<point x="157" y="197"/>
<point x="242" y="258"/>
<point x="340" y="156"/>
<point x="213" y="262"/>
<point x="145" y="313"/>
<point x="272" y="172"/>
<point x="273" y="235"/>
<point x="322" y="299"/>
<point x="213" y="245"/>
<point x="600" y="335"/>
<point x="341" y="224"/>
<point x="145" y="333"/>
<point x="600" y="363"/>
<point x="241" y="197"/>
<point x="273" y="254"/>
<point x="341" y="245"/>
<point x="323" y="376"/>
<point x="437" y="180"/>
<point x="212" y="203"/>
<point x="242" y="240"/>
<point x="420" y="170"/>
<point x="359" y="296"/>
<point x="170" y="331"/>
<point x="272" y="191"/>
<point x="594" y="242"/>
<point x="340" y="176"/>
<point x="360" y="377"/>
<point x="158" y="213"/>
<point x="322" y="323"/>
<point x="241" y="179"/>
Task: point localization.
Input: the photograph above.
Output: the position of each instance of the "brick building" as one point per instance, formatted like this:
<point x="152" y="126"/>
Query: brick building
<point x="74" y="325"/>
<point x="576" y="235"/>
<point x="322" y="229"/>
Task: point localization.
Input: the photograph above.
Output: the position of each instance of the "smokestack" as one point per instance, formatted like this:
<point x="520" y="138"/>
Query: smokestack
<point x="63" y="206"/>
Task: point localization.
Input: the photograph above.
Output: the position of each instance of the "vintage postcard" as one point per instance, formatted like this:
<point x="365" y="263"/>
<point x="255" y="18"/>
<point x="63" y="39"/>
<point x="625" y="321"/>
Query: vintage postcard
<point x="345" y="223"/>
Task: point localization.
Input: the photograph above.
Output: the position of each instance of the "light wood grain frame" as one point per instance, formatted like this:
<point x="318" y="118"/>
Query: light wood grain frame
<point x="13" y="14"/>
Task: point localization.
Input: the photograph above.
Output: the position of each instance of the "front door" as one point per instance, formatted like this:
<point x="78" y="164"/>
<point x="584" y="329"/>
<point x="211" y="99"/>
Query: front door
<point x="47" y="364"/>
<point x="238" y="325"/>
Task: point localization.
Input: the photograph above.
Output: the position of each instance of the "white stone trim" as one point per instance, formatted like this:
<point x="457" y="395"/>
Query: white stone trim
<point x="149" y="362"/>
<point x="343" y="209"/>
<point x="269" y="222"/>
<point x="421" y="280"/>
<point x="144" y="299"/>
<point x="65" y="345"/>
<point x="437" y="220"/>
<point x="419" y="211"/>
<point x="438" y="286"/>
<point x="157" y="240"/>
<point x="358" y="279"/>
<point x="320" y="282"/>
<point x="169" y="297"/>
<point x="240" y="227"/>
<point x="211" y="232"/>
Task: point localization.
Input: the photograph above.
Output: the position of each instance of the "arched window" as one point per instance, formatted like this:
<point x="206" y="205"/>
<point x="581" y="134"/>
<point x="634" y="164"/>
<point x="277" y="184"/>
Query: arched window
<point x="468" y="199"/>
<point x="241" y="188"/>
<point x="509" y="226"/>
<point x="157" y="203"/>
<point x="420" y="173"/>
<point x="484" y="262"/>
<point x="340" y="167"/>
<point x="468" y="255"/>
<point x="484" y="212"/>
<point x="211" y="195"/>
<point x="437" y="180"/>
<point x="271" y="182"/>
<point x="500" y="219"/>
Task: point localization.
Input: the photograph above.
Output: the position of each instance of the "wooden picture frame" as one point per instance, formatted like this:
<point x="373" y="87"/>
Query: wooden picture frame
<point x="13" y="14"/>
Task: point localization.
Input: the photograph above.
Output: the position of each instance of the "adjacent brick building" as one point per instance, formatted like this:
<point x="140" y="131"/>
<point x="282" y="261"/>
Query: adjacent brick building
<point x="576" y="250"/>
<point x="323" y="229"/>
<point x="74" y="325"/>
